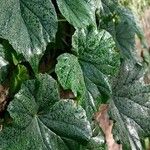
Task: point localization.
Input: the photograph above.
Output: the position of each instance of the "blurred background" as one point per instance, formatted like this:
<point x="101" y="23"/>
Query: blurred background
<point x="141" y="9"/>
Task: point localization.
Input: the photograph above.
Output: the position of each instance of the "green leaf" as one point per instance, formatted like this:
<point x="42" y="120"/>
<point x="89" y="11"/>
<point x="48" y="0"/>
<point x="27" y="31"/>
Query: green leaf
<point x="130" y="106"/>
<point x="96" y="48"/>
<point x="18" y="76"/>
<point x="28" y="26"/>
<point x="127" y="15"/>
<point x="125" y="38"/>
<point x="10" y="54"/>
<point x="121" y="23"/>
<point x="41" y="119"/>
<point x="3" y="65"/>
<point x="70" y="74"/>
<point x="12" y="72"/>
<point x="126" y="30"/>
<point x="78" y="16"/>
<point x="36" y="136"/>
<point x="124" y="14"/>
<point x="98" y="59"/>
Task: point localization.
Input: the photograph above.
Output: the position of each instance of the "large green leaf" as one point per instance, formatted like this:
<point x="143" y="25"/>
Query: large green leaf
<point x="28" y="25"/>
<point x="96" y="48"/>
<point x="130" y="106"/>
<point x="77" y="12"/>
<point x="98" y="59"/>
<point x="3" y="64"/>
<point x="41" y="120"/>
<point x="19" y="74"/>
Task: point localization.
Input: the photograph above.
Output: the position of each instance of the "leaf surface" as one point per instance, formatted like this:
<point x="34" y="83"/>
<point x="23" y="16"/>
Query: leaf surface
<point x="41" y="119"/>
<point x="130" y="106"/>
<point x="121" y="23"/>
<point x="77" y="12"/>
<point x="29" y="25"/>
<point x="70" y="74"/>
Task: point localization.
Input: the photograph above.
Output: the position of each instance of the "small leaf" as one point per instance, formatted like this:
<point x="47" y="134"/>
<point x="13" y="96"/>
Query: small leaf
<point x="28" y="26"/>
<point x="70" y="74"/>
<point x="78" y="16"/>
<point x="41" y="119"/>
<point x="130" y="106"/>
<point x="18" y="76"/>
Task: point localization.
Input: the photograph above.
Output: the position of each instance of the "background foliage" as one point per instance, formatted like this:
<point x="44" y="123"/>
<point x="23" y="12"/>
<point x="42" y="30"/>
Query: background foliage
<point x="59" y="61"/>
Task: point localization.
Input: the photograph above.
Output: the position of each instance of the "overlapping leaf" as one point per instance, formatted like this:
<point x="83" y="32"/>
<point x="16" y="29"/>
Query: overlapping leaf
<point x="98" y="60"/>
<point x="78" y="16"/>
<point x="29" y="26"/>
<point x="130" y="106"/>
<point x="96" y="54"/>
<point x="90" y="47"/>
<point x="122" y="25"/>
<point x="70" y="74"/>
<point x="41" y="120"/>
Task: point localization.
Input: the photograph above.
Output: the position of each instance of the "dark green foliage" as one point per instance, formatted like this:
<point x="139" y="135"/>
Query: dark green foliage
<point x="85" y="48"/>
<point x="130" y="106"/>
<point x="39" y="118"/>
